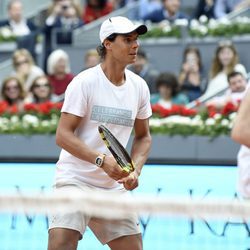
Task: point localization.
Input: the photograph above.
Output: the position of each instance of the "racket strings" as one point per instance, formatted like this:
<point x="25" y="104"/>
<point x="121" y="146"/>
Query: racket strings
<point x="117" y="150"/>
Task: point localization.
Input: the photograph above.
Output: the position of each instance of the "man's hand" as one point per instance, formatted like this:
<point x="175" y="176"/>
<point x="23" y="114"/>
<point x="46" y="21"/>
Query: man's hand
<point x="112" y="169"/>
<point x="131" y="181"/>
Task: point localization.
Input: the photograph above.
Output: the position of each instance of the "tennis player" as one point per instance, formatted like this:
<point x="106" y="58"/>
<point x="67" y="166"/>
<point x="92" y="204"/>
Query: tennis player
<point x="241" y="134"/>
<point x="106" y="94"/>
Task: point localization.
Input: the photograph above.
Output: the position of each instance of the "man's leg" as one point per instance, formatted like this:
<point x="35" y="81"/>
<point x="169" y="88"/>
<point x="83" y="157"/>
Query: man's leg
<point x="63" y="239"/>
<point x="133" y="242"/>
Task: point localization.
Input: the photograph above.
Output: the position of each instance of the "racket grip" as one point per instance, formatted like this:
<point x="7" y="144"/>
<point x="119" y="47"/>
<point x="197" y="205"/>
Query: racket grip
<point x="129" y="168"/>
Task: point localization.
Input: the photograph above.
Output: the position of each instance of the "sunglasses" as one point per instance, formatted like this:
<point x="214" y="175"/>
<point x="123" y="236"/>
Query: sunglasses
<point x="21" y="62"/>
<point x="12" y="88"/>
<point x="41" y="85"/>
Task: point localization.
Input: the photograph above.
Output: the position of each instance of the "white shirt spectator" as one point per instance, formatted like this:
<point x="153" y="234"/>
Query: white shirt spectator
<point x="220" y="83"/>
<point x="20" y="29"/>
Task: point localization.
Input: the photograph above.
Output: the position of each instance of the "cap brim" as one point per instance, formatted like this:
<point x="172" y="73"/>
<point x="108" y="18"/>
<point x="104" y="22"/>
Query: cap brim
<point x="140" y="29"/>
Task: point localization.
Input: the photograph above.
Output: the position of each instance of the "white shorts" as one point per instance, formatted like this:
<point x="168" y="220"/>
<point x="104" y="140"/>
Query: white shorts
<point x="105" y="230"/>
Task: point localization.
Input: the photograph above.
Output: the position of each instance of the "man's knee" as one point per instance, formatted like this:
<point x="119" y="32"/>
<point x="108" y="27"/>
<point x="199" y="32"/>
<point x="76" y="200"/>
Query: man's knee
<point x="62" y="245"/>
<point x="138" y="244"/>
<point x="127" y="242"/>
<point x="63" y="239"/>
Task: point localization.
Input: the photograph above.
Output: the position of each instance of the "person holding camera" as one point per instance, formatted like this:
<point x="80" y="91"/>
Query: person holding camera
<point x="64" y="16"/>
<point x="64" y="13"/>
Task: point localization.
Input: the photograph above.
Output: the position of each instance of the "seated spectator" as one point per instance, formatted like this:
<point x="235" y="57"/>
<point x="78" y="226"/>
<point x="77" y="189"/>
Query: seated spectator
<point x="95" y="9"/>
<point x="226" y="60"/>
<point x="13" y="94"/>
<point x="25" y="69"/>
<point x="235" y="93"/>
<point x="204" y="8"/>
<point x="41" y="90"/>
<point x="16" y="22"/>
<point x="24" y="29"/>
<point x="59" y="71"/>
<point x="91" y="58"/>
<point x="170" y="11"/>
<point x="191" y="79"/>
<point x="142" y="68"/>
<point x="223" y="7"/>
<point x="168" y="88"/>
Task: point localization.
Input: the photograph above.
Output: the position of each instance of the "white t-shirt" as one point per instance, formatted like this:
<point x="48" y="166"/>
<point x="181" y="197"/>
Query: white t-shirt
<point x="21" y="28"/>
<point x="92" y="96"/>
<point x="243" y="160"/>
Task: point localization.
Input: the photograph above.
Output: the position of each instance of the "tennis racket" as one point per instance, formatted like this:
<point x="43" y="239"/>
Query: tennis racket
<point x="116" y="149"/>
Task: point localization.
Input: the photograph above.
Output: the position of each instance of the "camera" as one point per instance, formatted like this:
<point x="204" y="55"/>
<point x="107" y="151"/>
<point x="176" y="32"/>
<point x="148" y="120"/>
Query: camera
<point x="65" y="7"/>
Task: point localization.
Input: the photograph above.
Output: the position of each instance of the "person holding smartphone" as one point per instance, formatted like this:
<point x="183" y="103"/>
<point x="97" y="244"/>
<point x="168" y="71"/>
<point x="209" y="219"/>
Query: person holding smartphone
<point x="191" y="79"/>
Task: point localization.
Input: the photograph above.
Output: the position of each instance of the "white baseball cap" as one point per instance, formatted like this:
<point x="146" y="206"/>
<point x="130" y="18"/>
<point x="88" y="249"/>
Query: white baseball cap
<point x="119" y="25"/>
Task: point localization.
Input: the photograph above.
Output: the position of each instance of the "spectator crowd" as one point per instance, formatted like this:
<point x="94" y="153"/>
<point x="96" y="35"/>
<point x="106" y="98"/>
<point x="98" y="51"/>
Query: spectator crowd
<point x="30" y="83"/>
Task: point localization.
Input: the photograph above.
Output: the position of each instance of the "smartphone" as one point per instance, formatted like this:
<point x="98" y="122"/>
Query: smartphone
<point x="191" y="59"/>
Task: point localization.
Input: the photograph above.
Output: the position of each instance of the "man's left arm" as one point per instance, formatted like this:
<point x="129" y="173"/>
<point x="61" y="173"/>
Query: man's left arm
<point x="139" y="152"/>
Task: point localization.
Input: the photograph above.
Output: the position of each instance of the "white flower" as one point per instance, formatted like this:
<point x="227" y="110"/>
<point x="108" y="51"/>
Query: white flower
<point x="14" y="119"/>
<point x="210" y="122"/>
<point x="164" y="23"/>
<point x="4" y="123"/>
<point x="45" y="123"/>
<point x="225" y="122"/>
<point x="6" y="32"/>
<point x="194" y="24"/>
<point x="203" y="29"/>
<point x="155" y="122"/>
<point x="167" y="28"/>
<point x="224" y="21"/>
<point x="243" y="20"/>
<point x="232" y="116"/>
<point x="30" y="120"/>
<point x="203" y="19"/>
<point x="178" y="119"/>
<point x="181" y="22"/>
<point x="196" y="121"/>
<point x="217" y="116"/>
<point x="212" y="24"/>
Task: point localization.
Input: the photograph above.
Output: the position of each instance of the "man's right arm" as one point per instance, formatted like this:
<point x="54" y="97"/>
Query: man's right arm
<point x="241" y="129"/>
<point x="66" y="139"/>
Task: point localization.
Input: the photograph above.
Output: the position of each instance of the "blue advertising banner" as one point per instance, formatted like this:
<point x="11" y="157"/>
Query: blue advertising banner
<point x="159" y="233"/>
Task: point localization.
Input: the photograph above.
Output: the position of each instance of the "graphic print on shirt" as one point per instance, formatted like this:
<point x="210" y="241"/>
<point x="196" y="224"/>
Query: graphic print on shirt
<point x="112" y="115"/>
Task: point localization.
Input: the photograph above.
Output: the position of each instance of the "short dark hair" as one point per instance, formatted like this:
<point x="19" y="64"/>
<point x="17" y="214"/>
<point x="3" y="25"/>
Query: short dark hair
<point x="168" y="80"/>
<point x="233" y="74"/>
<point x="101" y="50"/>
<point x="100" y="4"/>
